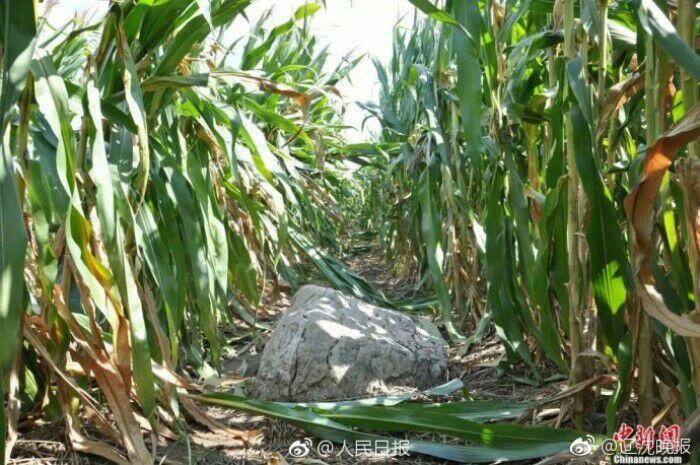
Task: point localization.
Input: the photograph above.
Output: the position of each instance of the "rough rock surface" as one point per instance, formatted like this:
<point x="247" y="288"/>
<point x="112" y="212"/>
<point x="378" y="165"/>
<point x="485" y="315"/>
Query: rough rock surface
<point x="329" y="346"/>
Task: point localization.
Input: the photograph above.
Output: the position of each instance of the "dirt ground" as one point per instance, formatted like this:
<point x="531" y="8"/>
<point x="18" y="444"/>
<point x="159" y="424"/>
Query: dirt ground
<point x="478" y="368"/>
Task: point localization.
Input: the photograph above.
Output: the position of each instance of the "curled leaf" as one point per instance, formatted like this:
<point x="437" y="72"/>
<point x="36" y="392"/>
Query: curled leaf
<point x="617" y="96"/>
<point x="639" y="206"/>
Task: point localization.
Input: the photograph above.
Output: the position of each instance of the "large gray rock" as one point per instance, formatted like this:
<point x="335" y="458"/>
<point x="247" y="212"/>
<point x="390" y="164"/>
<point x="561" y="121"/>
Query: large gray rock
<point x="329" y="346"/>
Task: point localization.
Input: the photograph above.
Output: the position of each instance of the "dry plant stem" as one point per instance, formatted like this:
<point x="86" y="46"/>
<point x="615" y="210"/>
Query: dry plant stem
<point x="13" y="405"/>
<point x="694" y="349"/>
<point x="645" y="377"/>
<point x="689" y="174"/>
<point x="645" y="373"/>
<point x="686" y="29"/>
<point x="552" y="84"/>
<point x="533" y="165"/>
<point x="602" y="80"/>
<point x="453" y="246"/>
<point x="573" y="229"/>
<point x="602" y="50"/>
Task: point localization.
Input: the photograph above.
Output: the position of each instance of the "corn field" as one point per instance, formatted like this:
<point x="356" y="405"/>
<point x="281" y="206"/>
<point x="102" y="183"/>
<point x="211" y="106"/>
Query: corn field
<point x="163" y="172"/>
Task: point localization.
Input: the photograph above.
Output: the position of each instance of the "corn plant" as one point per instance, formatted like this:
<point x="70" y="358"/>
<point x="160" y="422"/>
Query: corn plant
<point x="155" y="189"/>
<point x="158" y="172"/>
<point x="532" y="146"/>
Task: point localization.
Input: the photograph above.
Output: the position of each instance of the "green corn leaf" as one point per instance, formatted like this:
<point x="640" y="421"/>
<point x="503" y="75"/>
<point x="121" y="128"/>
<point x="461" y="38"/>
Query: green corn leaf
<point x="114" y="239"/>
<point x="157" y="21"/>
<point x="624" y="357"/>
<point x="434" y="12"/>
<point x="18" y="31"/>
<point x="655" y="22"/>
<point x="498" y="262"/>
<point x="535" y="276"/>
<point x="18" y="34"/>
<point x="397" y="418"/>
<point x="134" y="102"/>
<point x="609" y="266"/>
<point x="469" y="86"/>
<point x="194" y="32"/>
<point x="476" y="410"/>
<point x="521" y="442"/>
<point x="52" y="96"/>
<point x="337" y="273"/>
<point x="164" y="270"/>
<point x="53" y="101"/>
<point x="253" y="57"/>
<point x="196" y="251"/>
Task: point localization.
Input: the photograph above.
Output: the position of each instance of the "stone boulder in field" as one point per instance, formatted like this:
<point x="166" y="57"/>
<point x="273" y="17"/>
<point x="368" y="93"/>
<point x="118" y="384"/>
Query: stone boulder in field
<point x="329" y="346"/>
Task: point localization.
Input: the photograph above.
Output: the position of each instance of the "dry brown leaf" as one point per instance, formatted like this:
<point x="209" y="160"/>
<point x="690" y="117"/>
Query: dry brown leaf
<point x="557" y="14"/>
<point x="617" y="96"/>
<point x="639" y="206"/>
<point x="169" y="376"/>
<point x="12" y="407"/>
<point x="499" y="14"/>
<point x="30" y="334"/>
<point x="267" y="85"/>
<point x="36" y="334"/>
<point x="275" y="459"/>
<point x="121" y="353"/>
<point x="576" y="388"/>
<point x="101" y="423"/>
<point x="653" y="303"/>
<point x="303" y="99"/>
<point x="78" y="440"/>
<point x="156" y="427"/>
<point x="117" y="396"/>
<point x="112" y="384"/>
<point x="215" y="426"/>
